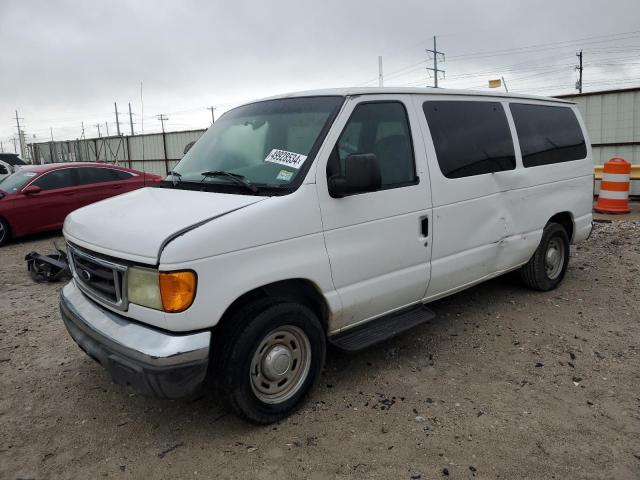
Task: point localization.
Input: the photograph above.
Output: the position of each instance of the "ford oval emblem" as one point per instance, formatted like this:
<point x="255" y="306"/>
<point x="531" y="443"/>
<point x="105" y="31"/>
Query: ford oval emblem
<point x="85" y="275"/>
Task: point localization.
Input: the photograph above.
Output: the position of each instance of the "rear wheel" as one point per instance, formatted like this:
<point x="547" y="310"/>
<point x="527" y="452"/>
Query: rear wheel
<point x="546" y="269"/>
<point x="5" y="232"/>
<point x="269" y="360"/>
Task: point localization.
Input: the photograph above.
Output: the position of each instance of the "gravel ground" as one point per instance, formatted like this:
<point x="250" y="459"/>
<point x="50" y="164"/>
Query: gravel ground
<point x="505" y="383"/>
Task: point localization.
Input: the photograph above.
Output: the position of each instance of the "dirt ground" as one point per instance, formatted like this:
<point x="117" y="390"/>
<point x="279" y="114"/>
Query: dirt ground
<point x="505" y="383"/>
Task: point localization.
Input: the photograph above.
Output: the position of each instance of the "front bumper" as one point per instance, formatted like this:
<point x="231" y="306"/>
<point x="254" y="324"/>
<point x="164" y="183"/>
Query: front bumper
<point x="153" y="362"/>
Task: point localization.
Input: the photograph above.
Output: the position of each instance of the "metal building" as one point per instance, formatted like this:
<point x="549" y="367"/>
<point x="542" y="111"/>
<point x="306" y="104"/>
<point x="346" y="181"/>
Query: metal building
<point x="613" y="122"/>
<point x="154" y="153"/>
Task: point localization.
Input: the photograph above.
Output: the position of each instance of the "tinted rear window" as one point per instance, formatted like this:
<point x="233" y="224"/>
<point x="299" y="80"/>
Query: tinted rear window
<point x="89" y="175"/>
<point x="548" y="134"/>
<point x="121" y="174"/>
<point x="470" y="138"/>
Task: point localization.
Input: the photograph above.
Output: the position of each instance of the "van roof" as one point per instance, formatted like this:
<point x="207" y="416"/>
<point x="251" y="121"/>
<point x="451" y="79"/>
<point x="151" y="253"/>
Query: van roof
<point x="353" y="91"/>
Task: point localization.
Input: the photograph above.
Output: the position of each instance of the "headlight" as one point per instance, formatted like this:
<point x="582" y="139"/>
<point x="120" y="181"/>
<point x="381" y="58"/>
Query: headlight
<point x="143" y="287"/>
<point x="169" y="291"/>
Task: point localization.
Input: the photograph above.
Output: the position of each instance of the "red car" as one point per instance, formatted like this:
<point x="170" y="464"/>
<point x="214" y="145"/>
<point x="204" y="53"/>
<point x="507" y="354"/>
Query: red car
<point x="38" y="198"/>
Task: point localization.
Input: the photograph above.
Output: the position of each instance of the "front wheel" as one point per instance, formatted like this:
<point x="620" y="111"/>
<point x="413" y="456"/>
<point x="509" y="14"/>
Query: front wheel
<point x="5" y="232"/>
<point x="270" y="360"/>
<point x="546" y="269"/>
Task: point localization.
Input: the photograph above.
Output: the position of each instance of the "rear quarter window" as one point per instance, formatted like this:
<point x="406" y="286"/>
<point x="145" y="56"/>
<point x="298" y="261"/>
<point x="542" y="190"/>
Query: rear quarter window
<point x="470" y="137"/>
<point x="548" y="134"/>
<point x="120" y="174"/>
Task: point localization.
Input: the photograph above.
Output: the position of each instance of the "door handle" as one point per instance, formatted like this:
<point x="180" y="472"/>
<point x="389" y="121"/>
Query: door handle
<point x="69" y="194"/>
<point x="424" y="226"/>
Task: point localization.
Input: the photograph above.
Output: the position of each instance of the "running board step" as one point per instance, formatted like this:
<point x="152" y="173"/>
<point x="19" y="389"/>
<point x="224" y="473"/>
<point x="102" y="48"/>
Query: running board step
<point x="370" y="333"/>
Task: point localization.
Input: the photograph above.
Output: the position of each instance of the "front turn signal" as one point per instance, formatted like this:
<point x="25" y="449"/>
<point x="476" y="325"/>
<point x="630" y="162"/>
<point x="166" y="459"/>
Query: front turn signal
<point x="177" y="290"/>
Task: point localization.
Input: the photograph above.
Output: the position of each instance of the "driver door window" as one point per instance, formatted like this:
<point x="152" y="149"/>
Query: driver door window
<point x="380" y="128"/>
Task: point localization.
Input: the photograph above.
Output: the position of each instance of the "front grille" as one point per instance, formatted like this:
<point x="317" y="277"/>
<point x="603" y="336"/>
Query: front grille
<point x="101" y="279"/>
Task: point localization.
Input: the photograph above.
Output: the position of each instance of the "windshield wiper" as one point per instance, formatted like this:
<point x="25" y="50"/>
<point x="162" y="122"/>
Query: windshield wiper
<point x="238" y="179"/>
<point x="175" y="175"/>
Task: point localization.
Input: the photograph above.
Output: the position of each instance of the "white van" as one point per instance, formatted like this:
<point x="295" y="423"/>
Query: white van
<point x="321" y="217"/>
<point x="9" y="163"/>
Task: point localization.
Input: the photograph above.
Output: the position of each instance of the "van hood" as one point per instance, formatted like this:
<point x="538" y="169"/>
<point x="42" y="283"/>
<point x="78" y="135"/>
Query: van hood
<point x="137" y="225"/>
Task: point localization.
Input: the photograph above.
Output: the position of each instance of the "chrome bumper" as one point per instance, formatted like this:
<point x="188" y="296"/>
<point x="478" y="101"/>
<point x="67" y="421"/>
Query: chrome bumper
<point x="151" y="361"/>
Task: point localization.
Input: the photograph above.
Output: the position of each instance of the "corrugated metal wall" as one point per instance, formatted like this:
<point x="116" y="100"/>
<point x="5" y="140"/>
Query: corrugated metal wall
<point x="613" y="123"/>
<point x="142" y="152"/>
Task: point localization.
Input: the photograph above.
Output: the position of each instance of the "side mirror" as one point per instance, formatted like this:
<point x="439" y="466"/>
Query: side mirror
<point x="31" y="190"/>
<point x="3" y="170"/>
<point x="188" y="146"/>
<point x="362" y="174"/>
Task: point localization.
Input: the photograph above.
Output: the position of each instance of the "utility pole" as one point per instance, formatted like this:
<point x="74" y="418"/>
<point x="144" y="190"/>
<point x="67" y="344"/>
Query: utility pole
<point x="579" y="69"/>
<point x="82" y="136"/>
<point x="435" y="68"/>
<point x="213" y="118"/>
<point x="117" y="119"/>
<point x="504" y="84"/>
<point x="162" y="117"/>
<point x="106" y="125"/>
<point x="18" y="125"/>
<point x="97" y="125"/>
<point x="131" y="119"/>
<point x="51" y="131"/>
<point x="380" y="76"/>
<point x="15" y="148"/>
<point x="1" y="147"/>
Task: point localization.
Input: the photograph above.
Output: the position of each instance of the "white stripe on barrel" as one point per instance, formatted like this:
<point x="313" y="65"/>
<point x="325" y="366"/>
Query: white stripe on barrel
<point x="613" y="195"/>
<point x="615" y="177"/>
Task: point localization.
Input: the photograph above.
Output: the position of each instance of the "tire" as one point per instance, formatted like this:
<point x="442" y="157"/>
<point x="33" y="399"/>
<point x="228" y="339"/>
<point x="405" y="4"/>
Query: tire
<point x="5" y="232"/>
<point x="546" y="269"/>
<point x="264" y="340"/>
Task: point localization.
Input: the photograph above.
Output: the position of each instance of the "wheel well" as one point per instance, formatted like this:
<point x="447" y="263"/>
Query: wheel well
<point x="566" y="220"/>
<point x="298" y="290"/>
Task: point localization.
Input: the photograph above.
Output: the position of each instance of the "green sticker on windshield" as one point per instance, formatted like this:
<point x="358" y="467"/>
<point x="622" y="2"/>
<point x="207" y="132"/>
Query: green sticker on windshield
<point x="284" y="175"/>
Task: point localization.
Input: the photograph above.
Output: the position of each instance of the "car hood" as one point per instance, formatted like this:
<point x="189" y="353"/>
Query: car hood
<point x="137" y="225"/>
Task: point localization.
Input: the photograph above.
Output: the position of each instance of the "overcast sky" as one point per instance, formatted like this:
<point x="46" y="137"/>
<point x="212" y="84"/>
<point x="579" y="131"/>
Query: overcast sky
<point x="64" y="62"/>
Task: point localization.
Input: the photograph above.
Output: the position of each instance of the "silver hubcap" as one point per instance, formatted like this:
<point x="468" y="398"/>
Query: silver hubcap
<point x="554" y="258"/>
<point x="280" y="364"/>
<point x="2" y="232"/>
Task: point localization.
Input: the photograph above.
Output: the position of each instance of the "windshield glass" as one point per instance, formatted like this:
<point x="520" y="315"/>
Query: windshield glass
<point x="263" y="144"/>
<point x="16" y="181"/>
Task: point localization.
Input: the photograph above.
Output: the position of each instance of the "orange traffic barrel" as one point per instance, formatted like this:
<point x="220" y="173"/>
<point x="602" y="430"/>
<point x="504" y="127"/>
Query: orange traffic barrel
<point x="614" y="188"/>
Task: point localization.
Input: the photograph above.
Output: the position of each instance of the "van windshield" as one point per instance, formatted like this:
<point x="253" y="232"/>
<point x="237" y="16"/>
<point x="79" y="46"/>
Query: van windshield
<point x="258" y="147"/>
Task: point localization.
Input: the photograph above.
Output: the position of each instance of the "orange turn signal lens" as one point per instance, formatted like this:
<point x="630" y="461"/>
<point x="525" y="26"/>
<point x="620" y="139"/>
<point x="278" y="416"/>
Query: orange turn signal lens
<point x="177" y="290"/>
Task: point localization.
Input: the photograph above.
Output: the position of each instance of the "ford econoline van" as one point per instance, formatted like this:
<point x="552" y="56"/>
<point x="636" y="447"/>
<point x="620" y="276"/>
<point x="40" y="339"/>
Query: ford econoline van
<point x="321" y="217"/>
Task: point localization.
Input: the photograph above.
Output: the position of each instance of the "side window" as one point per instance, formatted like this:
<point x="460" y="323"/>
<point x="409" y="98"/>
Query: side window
<point x="89" y="175"/>
<point x="381" y="128"/>
<point x="57" y="179"/>
<point x="470" y="138"/>
<point x="548" y="134"/>
<point x="120" y="174"/>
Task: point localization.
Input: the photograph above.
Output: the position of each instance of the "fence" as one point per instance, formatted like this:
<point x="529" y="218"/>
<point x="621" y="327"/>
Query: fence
<point x="154" y="153"/>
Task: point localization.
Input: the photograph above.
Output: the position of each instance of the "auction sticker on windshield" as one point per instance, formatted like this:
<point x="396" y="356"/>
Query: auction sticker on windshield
<point x="282" y="157"/>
